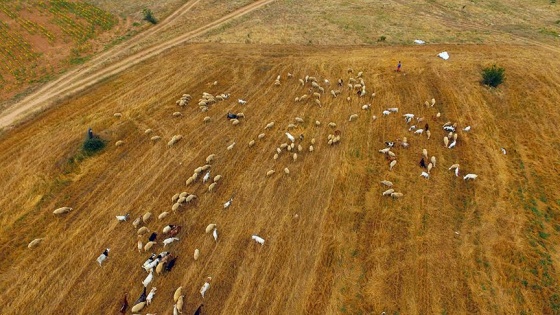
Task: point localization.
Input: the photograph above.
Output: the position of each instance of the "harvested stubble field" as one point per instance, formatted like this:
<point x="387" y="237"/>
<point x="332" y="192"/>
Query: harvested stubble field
<point x="333" y="243"/>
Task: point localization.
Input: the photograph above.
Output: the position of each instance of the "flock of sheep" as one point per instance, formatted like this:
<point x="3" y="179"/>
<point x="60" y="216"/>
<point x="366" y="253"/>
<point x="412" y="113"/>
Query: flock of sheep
<point x="294" y="146"/>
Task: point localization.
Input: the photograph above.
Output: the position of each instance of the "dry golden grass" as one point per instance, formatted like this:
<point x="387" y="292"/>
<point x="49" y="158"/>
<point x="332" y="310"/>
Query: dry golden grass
<point x="350" y="251"/>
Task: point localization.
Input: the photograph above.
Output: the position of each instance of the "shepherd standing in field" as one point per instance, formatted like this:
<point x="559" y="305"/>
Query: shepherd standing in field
<point x="399" y="65"/>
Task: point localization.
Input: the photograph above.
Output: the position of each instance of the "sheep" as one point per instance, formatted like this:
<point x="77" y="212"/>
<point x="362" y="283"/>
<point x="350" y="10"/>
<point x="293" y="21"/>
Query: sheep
<point x="425" y="153"/>
<point x="140" y="245"/>
<point x="210" y="227"/>
<point x="396" y="195"/>
<point x="286" y="171"/>
<point x="205" y="167"/>
<point x="174" y="140"/>
<point x="189" y="181"/>
<point x="179" y="304"/>
<point x="235" y="122"/>
<point x="433" y="102"/>
<point x="137" y="222"/>
<point x="118" y="115"/>
<point x="143" y="230"/>
<point x="430" y="166"/>
<point x="311" y="148"/>
<point x="433" y="159"/>
<point x="261" y="135"/>
<point x="177" y="114"/>
<point x="146" y="216"/>
<point x="138" y="307"/>
<point x="177" y="294"/>
<point x="467" y="128"/>
<point x="332" y="125"/>
<point x="290" y="137"/>
<point x="148" y="131"/>
<point x="386" y="113"/>
<point x="299" y="119"/>
<point x="269" y="125"/>
<point x="103" y="256"/>
<point x="258" y="239"/>
<point x="155" y="138"/>
<point x="170" y="240"/>
<point x="210" y="158"/>
<point x="301" y="82"/>
<point x="445" y="141"/>
<point x="230" y="147"/>
<point x="470" y="176"/>
<point x="241" y="102"/>
<point x="196" y="254"/>
<point x="387" y="183"/>
<point x="299" y="148"/>
<point x="318" y="103"/>
<point x="149" y="246"/>
<point x="211" y="187"/>
<point x="294" y="157"/>
<point x="205" y="286"/>
<point x="392" y="164"/>
<point x="190" y="198"/>
<point x="428" y="134"/>
<point x="353" y="117"/>
<point x="388" y="192"/>
<point x="366" y="106"/>
<point x="162" y="215"/>
<point x="269" y="173"/>
<point x="34" y="243"/>
<point x="275" y="157"/>
<point x="206" y="177"/>
<point x="151" y="296"/>
<point x="384" y="151"/>
<point x="148" y="279"/>
<point x="291" y="126"/>
<point x="419" y="131"/>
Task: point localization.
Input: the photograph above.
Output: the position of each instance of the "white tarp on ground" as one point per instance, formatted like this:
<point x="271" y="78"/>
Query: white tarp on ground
<point x="419" y="41"/>
<point x="443" y="55"/>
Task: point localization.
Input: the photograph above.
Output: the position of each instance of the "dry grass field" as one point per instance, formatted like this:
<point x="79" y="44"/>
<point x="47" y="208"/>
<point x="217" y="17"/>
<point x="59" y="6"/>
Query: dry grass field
<point x="333" y="243"/>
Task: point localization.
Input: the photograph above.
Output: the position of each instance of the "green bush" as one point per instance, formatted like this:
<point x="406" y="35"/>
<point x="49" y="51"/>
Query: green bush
<point x="149" y="16"/>
<point x="493" y="76"/>
<point x="93" y="145"/>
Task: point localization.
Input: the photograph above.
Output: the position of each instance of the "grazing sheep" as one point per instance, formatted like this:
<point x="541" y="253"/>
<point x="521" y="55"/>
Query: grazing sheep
<point x="470" y="176"/>
<point x="151" y="296"/>
<point x="103" y="256"/>
<point x="124" y="304"/>
<point x="122" y="218"/>
<point x="392" y="164"/>
<point x="430" y="166"/>
<point x="163" y="215"/>
<point x="211" y="187"/>
<point x="210" y="158"/>
<point x="34" y="242"/>
<point x="146" y="217"/>
<point x="419" y="131"/>
<point x="428" y="134"/>
<point x="397" y="195"/>
<point x="140" y="245"/>
<point x="386" y="113"/>
<point x="317" y="123"/>
<point x="251" y="143"/>
<point x="387" y="183"/>
<point x="177" y="114"/>
<point x="445" y="141"/>
<point x="177" y="294"/>
<point x="258" y="239"/>
<point x="149" y="246"/>
<point x="206" y="177"/>
<point x="118" y="115"/>
<point x="235" y="122"/>
<point x="286" y="171"/>
<point x="260" y="136"/>
<point x="143" y="230"/>
<point x="148" y="279"/>
<point x="388" y="192"/>
<point x="275" y="157"/>
<point x="269" y="172"/>
<point x="269" y="125"/>
<point x="174" y="140"/>
<point x="119" y="143"/>
<point x="332" y="125"/>
<point x="196" y="254"/>
<point x="366" y="106"/>
<point x="311" y="148"/>
<point x="148" y="131"/>
<point x="353" y="117"/>
<point x="291" y="126"/>
<point x="425" y="153"/>
<point x="205" y="286"/>
<point x="231" y="146"/>
<point x="137" y="222"/>
<point x="433" y="159"/>
<point x="210" y="227"/>
<point x="189" y="181"/>
<point x="299" y="120"/>
<point x="241" y="102"/>
<point x="299" y="148"/>
<point x="294" y="157"/>
<point x="452" y="145"/>
<point x="138" y="307"/>
<point x="155" y="138"/>
<point x="290" y="137"/>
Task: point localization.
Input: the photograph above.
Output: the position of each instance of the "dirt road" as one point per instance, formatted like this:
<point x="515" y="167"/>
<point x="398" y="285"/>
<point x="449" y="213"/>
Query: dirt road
<point x="80" y="79"/>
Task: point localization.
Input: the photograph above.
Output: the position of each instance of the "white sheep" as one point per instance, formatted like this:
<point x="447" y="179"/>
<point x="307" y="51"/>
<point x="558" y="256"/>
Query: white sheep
<point x="366" y="106"/>
<point x="419" y="131"/>
<point x="387" y="183"/>
<point x="148" y="131"/>
<point x="269" y="173"/>
<point x="34" y="242"/>
<point x="211" y="187"/>
<point x="467" y="128"/>
<point x="425" y="175"/>
<point x="386" y="113"/>
<point x="149" y="246"/>
<point x="217" y="178"/>
<point x="174" y="140"/>
<point x="138" y="307"/>
<point x="103" y="256"/>
<point x="286" y="171"/>
<point x="396" y="195"/>
<point x="290" y="137"/>
<point x="235" y="122"/>
<point x="294" y="157"/>
<point x="317" y="123"/>
<point x="299" y="120"/>
<point x="206" y="177"/>
<point x="210" y="227"/>
<point x="353" y="117"/>
<point x="146" y="217"/>
<point x="140" y="246"/>
<point x="433" y="159"/>
<point x="392" y="164"/>
<point x="258" y="239"/>
<point x="261" y="135"/>
<point x="470" y="176"/>
<point x="119" y="143"/>
<point x="393" y="109"/>
<point x="215" y="235"/>
<point x="388" y="192"/>
<point x="241" y="102"/>
<point x="452" y="145"/>
<point x="118" y="115"/>
<point x="62" y="210"/>
<point x="251" y="143"/>
<point x="332" y="125"/>
<point x="230" y="147"/>
<point x="196" y="254"/>
<point x="291" y="126"/>
<point x="210" y="158"/>
<point x="177" y="114"/>
<point x="269" y="125"/>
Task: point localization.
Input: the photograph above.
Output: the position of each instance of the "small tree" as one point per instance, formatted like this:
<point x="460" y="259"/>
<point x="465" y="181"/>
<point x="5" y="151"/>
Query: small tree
<point x="149" y="16"/>
<point x="493" y="76"/>
<point x="92" y="145"/>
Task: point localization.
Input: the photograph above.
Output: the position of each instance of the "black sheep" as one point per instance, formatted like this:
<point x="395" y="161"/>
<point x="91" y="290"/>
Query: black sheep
<point x="142" y="297"/>
<point x="199" y="310"/>
<point x="124" y="305"/>
<point x="152" y="237"/>
<point x="422" y="163"/>
<point x="170" y="264"/>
